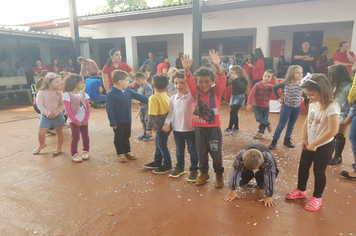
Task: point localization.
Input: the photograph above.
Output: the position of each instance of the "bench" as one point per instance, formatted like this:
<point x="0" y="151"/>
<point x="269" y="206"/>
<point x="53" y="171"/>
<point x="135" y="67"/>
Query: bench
<point x="18" y="80"/>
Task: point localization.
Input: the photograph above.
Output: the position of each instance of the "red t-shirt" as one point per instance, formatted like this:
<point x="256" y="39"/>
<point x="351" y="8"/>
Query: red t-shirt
<point x="321" y="69"/>
<point x="35" y="69"/>
<point x="342" y="57"/>
<point x="248" y="70"/>
<point x="260" y="95"/>
<point x="161" y="66"/>
<point x="109" y="69"/>
<point x="258" y="69"/>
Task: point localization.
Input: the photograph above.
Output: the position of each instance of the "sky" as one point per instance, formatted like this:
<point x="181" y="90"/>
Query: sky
<point x="26" y="11"/>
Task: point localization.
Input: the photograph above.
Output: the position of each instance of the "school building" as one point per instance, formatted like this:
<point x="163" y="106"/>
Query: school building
<point x="277" y="26"/>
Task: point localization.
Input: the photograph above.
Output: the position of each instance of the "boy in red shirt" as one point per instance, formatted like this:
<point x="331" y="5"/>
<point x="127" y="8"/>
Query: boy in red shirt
<point x="258" y="99"/>
<point x="206" y="118"/>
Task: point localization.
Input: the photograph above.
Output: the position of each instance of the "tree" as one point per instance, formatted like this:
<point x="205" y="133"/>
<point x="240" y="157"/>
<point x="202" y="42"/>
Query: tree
<point x="122" y="5"/>
<point x="172" y="2"/>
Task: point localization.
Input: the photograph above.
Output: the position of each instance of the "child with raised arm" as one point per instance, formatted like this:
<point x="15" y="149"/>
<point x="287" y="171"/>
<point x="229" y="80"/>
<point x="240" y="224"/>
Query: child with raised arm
<point x="206" y="115"/>
<point x="76" y="104"/>
<point x="180" y="114"/>
<point x="158" y="108"/>
<point x="118" y="108"/>
<point x="318" y="133"/>
<point x="254" y="161"/>
<point x="291" y="100"/>
<point x="258" y="99"/>
<point x="146" y="90"/>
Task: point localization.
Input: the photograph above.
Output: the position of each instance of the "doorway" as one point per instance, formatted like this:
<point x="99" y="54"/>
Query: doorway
<point x="104" y="49"/>
<point x="315" y="39"/>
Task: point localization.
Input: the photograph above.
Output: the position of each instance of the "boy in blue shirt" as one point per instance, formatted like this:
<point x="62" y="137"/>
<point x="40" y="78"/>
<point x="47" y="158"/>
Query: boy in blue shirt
<point x="94" y="88"/>
<point x="118" y="108"/>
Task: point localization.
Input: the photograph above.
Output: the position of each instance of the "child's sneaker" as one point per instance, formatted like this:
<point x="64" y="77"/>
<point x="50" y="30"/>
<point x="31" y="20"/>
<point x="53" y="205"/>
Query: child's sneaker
<point x="177" y="172"/>
<point x="235" y="130"/>
<point x="85" y="155"/>
<point x="269" y="128"/>
<point x="193" y="177"/>
<point x="141" y="137"/>
<point x="162" y="170"/>
<point x="147" y="138"/>
<point x="122" y="158"/>
<point x="102" y="104"/>
<point x="228" y="130"/>
<point x="152" y="166"/>
<point x="258" y="135"/>
<point x="129" y="156"/>
<point x="76" y="158"/>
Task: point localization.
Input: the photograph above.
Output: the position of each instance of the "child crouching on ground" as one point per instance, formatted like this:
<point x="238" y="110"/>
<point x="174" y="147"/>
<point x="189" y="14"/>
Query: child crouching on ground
<point x="259" y="98"/>
<point x="206" y="116"/>
<point x="158" y="108"/>
<point x="146" y="90"/>
<point x="254" y="161"/>
<point x="180" y="114"/>
<point x="118" y="108"/>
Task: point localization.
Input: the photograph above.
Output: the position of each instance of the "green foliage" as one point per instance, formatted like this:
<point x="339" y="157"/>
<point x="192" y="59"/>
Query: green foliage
<point x="171" y="2"/>
<point x="122" y="5"/>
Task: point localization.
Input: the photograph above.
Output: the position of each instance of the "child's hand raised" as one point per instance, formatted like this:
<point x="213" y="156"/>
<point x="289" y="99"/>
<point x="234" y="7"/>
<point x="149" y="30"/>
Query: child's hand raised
<point x="187" y="63"/>
<point x="231" y="195"/>
<point x="214" y="57"/>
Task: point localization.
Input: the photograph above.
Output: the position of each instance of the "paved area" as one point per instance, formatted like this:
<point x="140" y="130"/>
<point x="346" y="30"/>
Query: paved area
<point x="46" y="195"/>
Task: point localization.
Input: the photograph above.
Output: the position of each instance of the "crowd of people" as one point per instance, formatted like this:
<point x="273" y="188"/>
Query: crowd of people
<point x="188" y="104"/>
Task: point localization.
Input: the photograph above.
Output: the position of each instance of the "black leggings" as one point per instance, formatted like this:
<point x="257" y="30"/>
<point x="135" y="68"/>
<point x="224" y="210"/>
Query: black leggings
<point x="321" y="158"/>
<point x="234" y="118"/>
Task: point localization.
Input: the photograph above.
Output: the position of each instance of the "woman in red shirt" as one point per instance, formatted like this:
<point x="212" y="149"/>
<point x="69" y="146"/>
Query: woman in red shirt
<point x="258" y="68"/>
<point x="55" y="64"/>
<point x="38" y="68"/>
<point x="162" y="68"/>
<point x="321" y="62"/>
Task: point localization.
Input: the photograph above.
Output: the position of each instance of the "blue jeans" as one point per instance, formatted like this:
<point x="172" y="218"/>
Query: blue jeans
<point x="287" y="113"/>
<point x="238" y="99"/>
<point x="162" y="151"/>
<point x="101" y="98"/>
<point x="352" y="137"/>
<point x="180" y="139"/>
<point x="261" y="115"/>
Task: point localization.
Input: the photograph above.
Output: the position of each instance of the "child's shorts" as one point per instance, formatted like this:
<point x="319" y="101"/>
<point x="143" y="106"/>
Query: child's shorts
<point x="238" y="99"/>
<point x="342" y="117"/>
<point x="46" y="122"/>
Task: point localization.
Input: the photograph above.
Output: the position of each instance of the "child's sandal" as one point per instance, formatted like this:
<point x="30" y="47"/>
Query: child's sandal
<point x="314" y="204"/>
<point x="37" y="150"/>
<point x="296" y="193"/>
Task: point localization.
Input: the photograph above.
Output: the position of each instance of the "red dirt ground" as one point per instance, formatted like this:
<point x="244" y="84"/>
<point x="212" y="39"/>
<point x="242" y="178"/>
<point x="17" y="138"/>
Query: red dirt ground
<point x="46" y="195"/>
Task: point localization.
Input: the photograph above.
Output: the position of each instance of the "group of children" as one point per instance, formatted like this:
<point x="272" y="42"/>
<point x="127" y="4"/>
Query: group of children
<point x="193" y="114"/>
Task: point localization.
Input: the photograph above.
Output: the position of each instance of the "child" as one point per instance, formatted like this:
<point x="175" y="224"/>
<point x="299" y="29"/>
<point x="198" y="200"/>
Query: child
<point x="318" y="134"/>
<point x="94" y="88"/>
<point x="291" y="104"/>
<point x="240" y="86"/>
<point x="171" y="88"/>
<point x="254" y="161"/>
<point x="158" y="107"/>
<point x="77" y="108"/>
<point x="49" y="102"/>
<point x="146" y="90"/>
<point x="63" y="74"/>
<point x="341" y="80"/>
<point x="259" y="98"/>
<point x="181" y="108"/>
<point x="118" y="108"/>
<point x="206" y="115"/>
<point x="146" y="71"/>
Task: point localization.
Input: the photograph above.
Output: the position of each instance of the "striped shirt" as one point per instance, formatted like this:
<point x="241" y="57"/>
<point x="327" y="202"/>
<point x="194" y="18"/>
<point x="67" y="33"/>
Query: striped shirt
<point x="292" y="93"/>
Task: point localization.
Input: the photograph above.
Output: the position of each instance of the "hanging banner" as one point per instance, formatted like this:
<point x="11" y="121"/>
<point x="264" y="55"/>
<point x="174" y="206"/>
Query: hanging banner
<point x="278" y="47"/>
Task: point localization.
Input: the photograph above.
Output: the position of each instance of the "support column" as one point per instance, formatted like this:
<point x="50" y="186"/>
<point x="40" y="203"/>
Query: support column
<point x="131" y="52"/>
<point x="188" y="43"/>
<point x="197" y="29"/>
<point x="45" y="53"/>
<point x="262" y="39"/>
<point x="353" y="38"/>
<point x="74" y="29"/>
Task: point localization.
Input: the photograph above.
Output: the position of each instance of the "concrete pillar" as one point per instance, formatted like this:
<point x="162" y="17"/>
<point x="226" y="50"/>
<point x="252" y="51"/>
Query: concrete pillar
<point x="95" y="53"/>
<point x="131" y="52"/>
<point x="262" y="39"/>
<point x="353" y="39"/>
<point x="45" y="53"/>
<point x="188" y="43"/>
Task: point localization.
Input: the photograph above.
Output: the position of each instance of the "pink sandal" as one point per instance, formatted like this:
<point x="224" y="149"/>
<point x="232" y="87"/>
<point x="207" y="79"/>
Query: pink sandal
<point x="314" y="204"/>
<point x="295" y="194"/>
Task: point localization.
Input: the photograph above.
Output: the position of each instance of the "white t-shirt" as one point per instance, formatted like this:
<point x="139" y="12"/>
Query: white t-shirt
<point x="318" y="122"/>
<point x="81" y="112"/>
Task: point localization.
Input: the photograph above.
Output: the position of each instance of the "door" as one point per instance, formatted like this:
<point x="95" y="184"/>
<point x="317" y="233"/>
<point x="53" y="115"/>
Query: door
<point x="315" y="39"/>
<point x="104" y="49"/>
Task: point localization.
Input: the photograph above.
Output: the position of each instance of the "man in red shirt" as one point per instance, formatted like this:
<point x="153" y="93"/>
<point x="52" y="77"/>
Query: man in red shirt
<point x="344" y="56"/>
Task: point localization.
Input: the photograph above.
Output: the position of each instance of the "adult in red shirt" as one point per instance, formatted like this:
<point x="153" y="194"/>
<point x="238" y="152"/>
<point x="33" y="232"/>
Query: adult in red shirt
<point x="114" y="63"/>
<point x="321" y="62"/>
<point x="248" y="64"/>
<point x="162" y="68"/>
<point x="55" y="64"/>
<point x="258" y="68"/>
<point x="344" y="56"/>
<point x="38" y="68"/>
